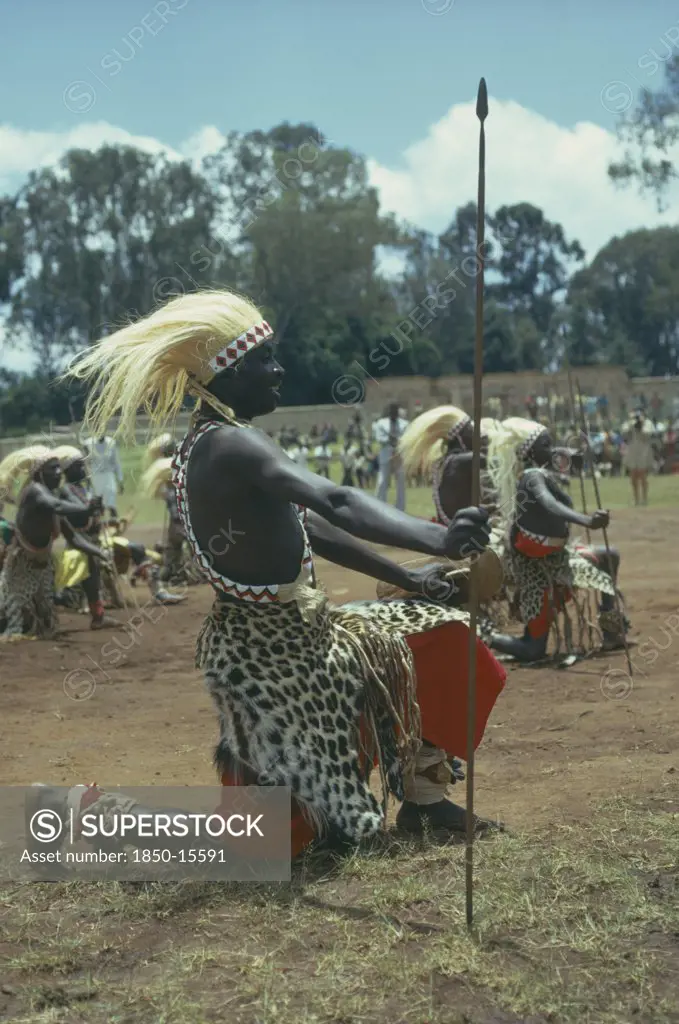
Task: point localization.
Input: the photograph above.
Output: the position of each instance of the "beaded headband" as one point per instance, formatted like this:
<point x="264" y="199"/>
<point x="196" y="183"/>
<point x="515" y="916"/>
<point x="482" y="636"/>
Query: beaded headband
<point x="525" y="446"/>
<point x="458" y="428"/>
<point x="240" y="347"/>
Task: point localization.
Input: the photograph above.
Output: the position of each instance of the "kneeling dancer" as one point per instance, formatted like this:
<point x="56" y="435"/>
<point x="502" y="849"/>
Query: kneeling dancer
<point x="27" y="577"/>
<point x="309" y="696"/>
<point x="157" y="483"/>
<point x="545" y="568"/>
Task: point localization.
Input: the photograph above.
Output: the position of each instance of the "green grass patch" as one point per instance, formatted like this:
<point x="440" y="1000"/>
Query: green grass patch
<point x="572" y="925"/>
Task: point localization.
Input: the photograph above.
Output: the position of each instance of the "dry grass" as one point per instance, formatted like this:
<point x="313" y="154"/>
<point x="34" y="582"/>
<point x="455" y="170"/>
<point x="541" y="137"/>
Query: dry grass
<point x="572" y="925"/>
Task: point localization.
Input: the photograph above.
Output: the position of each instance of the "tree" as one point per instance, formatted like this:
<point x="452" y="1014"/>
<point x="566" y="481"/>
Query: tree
<point x="534" y="261"/>
<point x="625" y="305"/>
<point x="109" y="234"/>
<point x="306" y="229"/>
<point x="648" y="133"/>
<point x="11" y="247"/>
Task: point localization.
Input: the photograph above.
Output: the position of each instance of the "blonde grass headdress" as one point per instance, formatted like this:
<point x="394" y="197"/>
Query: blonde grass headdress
<point x="24" y="462"/>
<point x="490" y="426"/>
<point x="67" y="455"/>
<point x="507" y="451"/>
<point x="423" y="442"/>
<point x="154" y="363"/>
<point x="157" y="446"/>
<point x="156" y="477"/>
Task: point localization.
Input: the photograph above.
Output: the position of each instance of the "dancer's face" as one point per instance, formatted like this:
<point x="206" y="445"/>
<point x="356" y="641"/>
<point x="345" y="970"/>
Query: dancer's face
<point x="50" y="474"/>
<point x="76" y="471"/>
<point x="252" y="387"/>
<point x="541" y="451"/>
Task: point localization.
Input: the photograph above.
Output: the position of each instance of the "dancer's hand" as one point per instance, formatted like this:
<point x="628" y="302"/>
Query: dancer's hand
<point x="468" y="533"/>
<point x="435" y="584"/>
<point x="600" y="520"/>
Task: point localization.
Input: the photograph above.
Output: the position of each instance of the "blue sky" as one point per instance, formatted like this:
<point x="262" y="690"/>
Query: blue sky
<point x="395" y="80"/>
<point x="372" y="74"/>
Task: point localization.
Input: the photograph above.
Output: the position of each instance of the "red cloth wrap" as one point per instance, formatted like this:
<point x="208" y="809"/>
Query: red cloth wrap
<point x="441" y="658"/>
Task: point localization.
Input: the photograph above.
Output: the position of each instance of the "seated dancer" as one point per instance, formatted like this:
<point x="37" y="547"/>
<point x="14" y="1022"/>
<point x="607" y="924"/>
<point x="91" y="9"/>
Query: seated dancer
<point x="309" y="695"/>
<point x="161" y="447"/>
<point x="6" y="527"/>
<point x="78" y="565"/>
<point x="27" y="578"/>
<point x="545" y="569"/>
<point x="157" y="483"/>
<point x="98" y="541"/>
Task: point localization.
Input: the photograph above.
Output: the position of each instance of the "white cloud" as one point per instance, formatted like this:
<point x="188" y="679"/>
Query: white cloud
<point x="23" y="151"/>
<point x="528" y="158"/>
<point x="203" y="143"/>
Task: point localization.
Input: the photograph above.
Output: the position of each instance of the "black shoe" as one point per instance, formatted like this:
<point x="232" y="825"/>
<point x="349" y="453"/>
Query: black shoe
<point x="525" y="649"/>
<point x="443" y="816"/>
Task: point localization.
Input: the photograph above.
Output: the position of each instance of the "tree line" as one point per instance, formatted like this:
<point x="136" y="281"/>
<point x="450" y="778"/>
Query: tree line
<point x="292" y="221"/>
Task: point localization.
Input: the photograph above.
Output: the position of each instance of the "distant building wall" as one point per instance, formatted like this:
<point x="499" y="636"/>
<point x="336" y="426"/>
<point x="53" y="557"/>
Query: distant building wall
<point x="416" y="394"/>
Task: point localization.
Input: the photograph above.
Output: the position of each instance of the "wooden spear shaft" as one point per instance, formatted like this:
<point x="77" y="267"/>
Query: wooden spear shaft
<point x="597" y="496"/>
<point x="581" y="477"/>
<point x="481" y="113"/>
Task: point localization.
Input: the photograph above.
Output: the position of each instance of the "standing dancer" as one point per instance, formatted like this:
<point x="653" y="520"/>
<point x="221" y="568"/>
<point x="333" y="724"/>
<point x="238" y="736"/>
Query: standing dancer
<point x="546" y="570"/>
<point x="309" y="695"/>
<point x="27" y="577"/>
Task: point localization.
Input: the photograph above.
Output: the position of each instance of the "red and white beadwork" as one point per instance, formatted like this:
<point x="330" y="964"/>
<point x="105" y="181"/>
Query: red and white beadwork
<point x="240" y="347"/>
<point x="259" y="594"/>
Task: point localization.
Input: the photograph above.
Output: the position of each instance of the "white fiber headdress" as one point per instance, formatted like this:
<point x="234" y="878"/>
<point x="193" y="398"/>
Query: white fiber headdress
<point x="154" y="363"/>
<point x="424" y="440"/>
<point x="507" y="452"/>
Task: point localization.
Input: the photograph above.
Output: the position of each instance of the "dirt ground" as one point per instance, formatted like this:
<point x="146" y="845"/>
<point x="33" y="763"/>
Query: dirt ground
<point x="82" y="708"/>
<point x="558" y="744"/>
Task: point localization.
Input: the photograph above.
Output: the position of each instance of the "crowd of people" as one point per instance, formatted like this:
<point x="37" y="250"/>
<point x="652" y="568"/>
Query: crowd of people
<point x="310" y="695"/>
<point x="368" y="455"/>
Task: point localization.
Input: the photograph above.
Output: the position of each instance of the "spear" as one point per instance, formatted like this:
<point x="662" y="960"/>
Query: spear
<point x="574" y="417"/>
<point x="597" y="496"/>
<point x="481" y="113"/>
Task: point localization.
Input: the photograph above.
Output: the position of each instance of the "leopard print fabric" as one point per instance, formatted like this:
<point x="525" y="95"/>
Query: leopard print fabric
<point x="26" y="594"/>
<point x="290" y="694"/>
<point x="565" y="568"/>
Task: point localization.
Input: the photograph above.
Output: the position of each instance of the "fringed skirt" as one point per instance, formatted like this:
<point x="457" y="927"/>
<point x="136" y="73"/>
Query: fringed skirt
<point x="27" y="594"/>
<point x="556" y="575"/>
<point x="313" y="698"/>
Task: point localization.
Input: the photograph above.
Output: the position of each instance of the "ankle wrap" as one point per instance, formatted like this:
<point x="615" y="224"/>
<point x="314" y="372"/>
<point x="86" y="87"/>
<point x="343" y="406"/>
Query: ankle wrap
<point x="431" y="777"/>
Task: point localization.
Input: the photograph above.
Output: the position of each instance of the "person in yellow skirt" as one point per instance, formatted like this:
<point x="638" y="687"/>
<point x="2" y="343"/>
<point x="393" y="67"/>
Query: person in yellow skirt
<point x="107" y="537"/>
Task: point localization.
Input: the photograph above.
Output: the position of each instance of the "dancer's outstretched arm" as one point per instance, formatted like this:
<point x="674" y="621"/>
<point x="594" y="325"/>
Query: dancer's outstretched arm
<point x="537" y="489"/>
<point x="341" y="548"/>
<point x="252" y="457"/>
